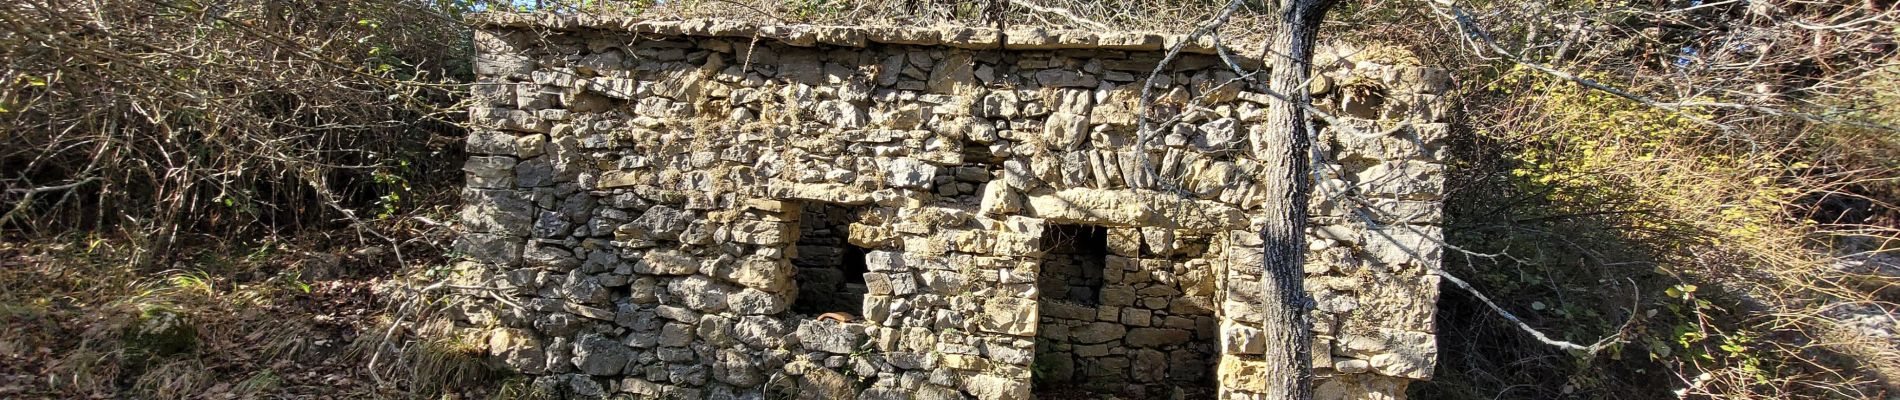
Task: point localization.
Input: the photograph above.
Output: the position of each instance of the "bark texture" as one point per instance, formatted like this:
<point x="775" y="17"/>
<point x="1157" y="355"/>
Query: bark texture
<point x="1285" y="150"/>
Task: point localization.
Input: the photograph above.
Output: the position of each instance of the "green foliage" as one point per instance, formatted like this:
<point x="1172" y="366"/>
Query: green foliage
<point x="446" y="363"/>
<point x="1620" y="218"/>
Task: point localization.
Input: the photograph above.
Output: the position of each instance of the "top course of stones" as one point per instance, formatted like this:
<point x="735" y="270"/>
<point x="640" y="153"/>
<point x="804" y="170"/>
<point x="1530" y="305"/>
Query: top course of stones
<point x="853" y="36"/>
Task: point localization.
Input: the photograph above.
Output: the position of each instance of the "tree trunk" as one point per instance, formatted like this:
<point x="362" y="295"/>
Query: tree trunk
<point x="1284" y="150"/>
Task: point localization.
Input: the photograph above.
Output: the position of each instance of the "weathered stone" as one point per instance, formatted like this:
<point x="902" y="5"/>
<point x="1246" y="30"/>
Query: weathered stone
<point x="829" y="336"/>
<point x="1156" y="337"/>
<point x="750" y="301"/>
<point x="1350" y="366"/>
<point x="1008" y="315"/>
<point x="518" y="349"/>
<point x="658" y="222"/>
<point x="1098" y="332"/>
<point x="1061" y="78"/>
<point x="823" y="384"/>
<point x="764" y="233"/>
<point x="500" y="212"/>
<point x="910" y="173"/>
<point x="490" y="172"/>
<point x="667" y="262"/>
<point x="492" y="249"/>
<point x="700" y="293"/>
<point x="599" y="356"/>
<point x="502" y="64"/>
<point x="762" y="273"/>
<point x="1242" y="340"/>
<point x="990" y="387"/>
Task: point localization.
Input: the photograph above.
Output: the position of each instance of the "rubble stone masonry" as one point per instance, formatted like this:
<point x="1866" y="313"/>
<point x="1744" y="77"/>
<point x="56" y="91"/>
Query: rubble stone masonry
<point x="659" y="209"/>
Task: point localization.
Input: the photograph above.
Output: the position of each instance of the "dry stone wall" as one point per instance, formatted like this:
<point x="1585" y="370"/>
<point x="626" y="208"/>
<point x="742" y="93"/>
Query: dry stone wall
<point x="647" y="202"/>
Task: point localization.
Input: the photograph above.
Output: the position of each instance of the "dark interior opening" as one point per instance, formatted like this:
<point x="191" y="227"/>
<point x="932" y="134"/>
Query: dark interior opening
<point x="853" y="264"/>
<point x="1072" y="264"/>
<point x="1120" y="320"/>
<point x="830" y="269"/>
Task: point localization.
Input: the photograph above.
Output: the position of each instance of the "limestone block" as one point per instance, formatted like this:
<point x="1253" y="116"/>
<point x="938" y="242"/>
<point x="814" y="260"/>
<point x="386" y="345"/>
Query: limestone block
<point x="763" y="233"/>
<point x="618" y="179"/>
<point x="901" y="35"/>
<point x="490" y="172"/>
<point x="1350" y="365"/>
<point x="761" y="332"/>
<point x="600" y="356"/>
<point x="910" y="173"/>
<point x="492" y="64"/>
<point x="659" y="222"/>
<point x="491" y="142"/>
<point x="1132" y="208"/>
<point x="1156" y="337"/>
<point x="1402" y="302"/>
<point x="954" y="75"/>
<point x="1242" y="340"/>
<point x="991" y="387"/>
<point x="877" y="309"/>
<point x="488" y="248"/>
<point x="842" y="114"/>
<point x="500" y="212"/>
<point x="999" y="200"/>
<point x="1136" y="317"/>
<point x="1149" y="366"/>
<point x="903" y="117"/>
<point x="886" y="261"/>
<point x="1064" y="78"/>
<point x="1120" y="296"/>
<point x="700" y="293"/>
<point x="556" y="77"/>
<point x="676" y="313"/>
<point x="767" y="274"/>
<point x="1403" y="244"/>
<point x="1218" y="135"/>
<point x="1003" y="104"/>
<point x="518" y="349"/>
<point x="1068" y="126"/>
<point x="641" y="387"/>
<point x="676" y="334"/>
<point x="1098" y="332"/>
<point x="667" y="262"/>
<point x="1359" y="387"/>
<point x="749" y="301"/>
<point x="1404" y="178"/>
<point x="963" y="362"/>
<point x="829" y="336"/>
<point x="1237" y="372"/>
<point x="1010" y="316"/>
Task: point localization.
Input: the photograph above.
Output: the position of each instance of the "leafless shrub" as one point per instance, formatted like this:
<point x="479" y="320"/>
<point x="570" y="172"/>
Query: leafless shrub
<point x="176" y="118"/>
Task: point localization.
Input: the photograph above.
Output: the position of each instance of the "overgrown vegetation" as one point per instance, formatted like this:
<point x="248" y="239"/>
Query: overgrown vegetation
<point x="204" y="199"/>
<point x="242" y="320"/>
<point x="1720" y="233"/>
<point x="178" y="122"/>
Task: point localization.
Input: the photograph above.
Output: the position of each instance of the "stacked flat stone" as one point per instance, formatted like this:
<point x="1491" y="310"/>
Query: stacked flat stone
<point x="635" y="191"/>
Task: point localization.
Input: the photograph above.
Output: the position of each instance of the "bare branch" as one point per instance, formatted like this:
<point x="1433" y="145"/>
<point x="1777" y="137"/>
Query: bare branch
<point x="38" y="190"/>
<point x="1465" y="21"/>
<point x="1064" y="12"/>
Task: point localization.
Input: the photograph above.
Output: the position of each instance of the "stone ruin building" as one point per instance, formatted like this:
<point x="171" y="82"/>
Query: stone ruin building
<point x="670" y="210"/>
